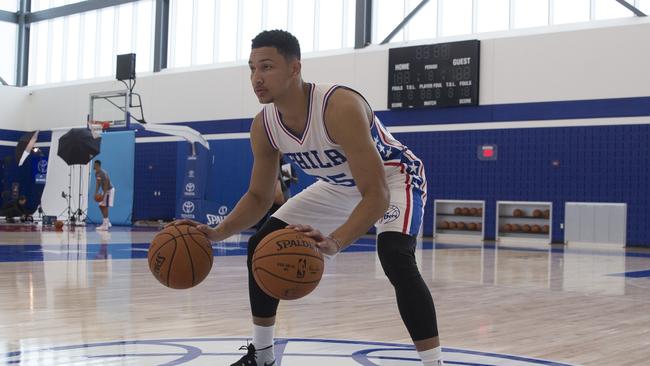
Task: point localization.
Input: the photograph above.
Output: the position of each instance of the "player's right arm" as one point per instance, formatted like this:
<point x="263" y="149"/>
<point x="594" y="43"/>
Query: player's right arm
<point x="261" y="190"/>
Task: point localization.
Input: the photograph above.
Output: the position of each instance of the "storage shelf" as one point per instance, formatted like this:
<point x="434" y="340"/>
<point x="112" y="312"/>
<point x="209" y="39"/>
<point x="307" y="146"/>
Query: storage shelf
<point x="523" y="235"/>
<point x="505" y="217"/>
<point x="460" y="232"/>
<point x="454" y="215"/>
<point x="444" y="211"/>
<point x="524" y="217"/>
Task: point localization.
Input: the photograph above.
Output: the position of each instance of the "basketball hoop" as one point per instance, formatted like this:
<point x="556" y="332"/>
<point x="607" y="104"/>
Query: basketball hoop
<point x="97" y="127"/>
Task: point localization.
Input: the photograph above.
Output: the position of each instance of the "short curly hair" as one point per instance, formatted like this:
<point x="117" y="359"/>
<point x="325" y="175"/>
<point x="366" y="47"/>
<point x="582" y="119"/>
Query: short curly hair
<point x="285" y="42"/>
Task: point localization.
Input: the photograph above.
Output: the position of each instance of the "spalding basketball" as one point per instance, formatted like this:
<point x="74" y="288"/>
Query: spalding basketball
<point x="99" y="197"/>
<point x="287" y="264"/>
<point x="180" y="256"/>
<point x="58" y="225"/>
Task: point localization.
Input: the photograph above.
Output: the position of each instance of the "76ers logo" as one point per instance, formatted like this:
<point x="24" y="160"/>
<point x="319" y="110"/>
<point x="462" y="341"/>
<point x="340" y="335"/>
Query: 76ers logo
<point x="390" y="215"/>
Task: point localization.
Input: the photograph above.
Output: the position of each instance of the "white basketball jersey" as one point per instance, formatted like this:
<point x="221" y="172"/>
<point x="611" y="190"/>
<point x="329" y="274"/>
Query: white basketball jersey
<point x="318" y="155"/>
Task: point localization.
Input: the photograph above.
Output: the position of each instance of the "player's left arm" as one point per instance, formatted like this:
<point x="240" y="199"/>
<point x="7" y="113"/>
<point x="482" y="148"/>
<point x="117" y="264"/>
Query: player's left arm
<point x="347" y="119"/>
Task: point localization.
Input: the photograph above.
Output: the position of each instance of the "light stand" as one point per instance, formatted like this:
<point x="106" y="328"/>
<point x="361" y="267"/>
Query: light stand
<point x="80" y="215"/>
<point x="67" y="198"/>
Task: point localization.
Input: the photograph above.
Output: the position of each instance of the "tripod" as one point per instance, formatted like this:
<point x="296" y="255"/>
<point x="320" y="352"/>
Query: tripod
<point x="77" y="216"/>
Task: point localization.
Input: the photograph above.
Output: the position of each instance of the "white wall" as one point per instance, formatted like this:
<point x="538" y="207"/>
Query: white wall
<point x="12" y="108"/>
<point x="607" y="62"/>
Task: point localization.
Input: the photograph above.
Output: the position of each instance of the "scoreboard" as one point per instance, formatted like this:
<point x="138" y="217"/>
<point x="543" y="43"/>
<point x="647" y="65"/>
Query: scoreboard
<point x="438" y="75"/>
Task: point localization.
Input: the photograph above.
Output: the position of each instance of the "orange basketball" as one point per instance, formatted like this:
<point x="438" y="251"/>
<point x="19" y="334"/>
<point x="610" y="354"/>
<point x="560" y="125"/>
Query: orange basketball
<point x="525" y="228"/>
<point x="58" y="225"/>
<point x="287" y="265"/>
<point x="180" y="256"/>
<point x="537" y="213"/>
<point x="99" y="197"/>
<point x="444" y="225"/>
<point x="471" y="226"/>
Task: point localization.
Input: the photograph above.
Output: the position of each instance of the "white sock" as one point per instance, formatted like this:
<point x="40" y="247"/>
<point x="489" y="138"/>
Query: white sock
<point x="263" y="342"/>
<point x="432" y="357"/>
<point x="105" y="222"/>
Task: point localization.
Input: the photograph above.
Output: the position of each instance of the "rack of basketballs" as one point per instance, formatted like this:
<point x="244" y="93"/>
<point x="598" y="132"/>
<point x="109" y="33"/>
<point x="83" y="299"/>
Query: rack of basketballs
<point x="532" y="227"/>
<point x="459" y="224"/>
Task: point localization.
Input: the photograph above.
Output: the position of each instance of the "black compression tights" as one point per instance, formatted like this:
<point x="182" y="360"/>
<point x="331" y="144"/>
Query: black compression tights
<point x="262" y="305"/>
<point x="397" y="256"/>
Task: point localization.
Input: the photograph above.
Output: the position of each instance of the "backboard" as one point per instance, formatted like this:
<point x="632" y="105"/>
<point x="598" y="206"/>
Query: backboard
<point x="110" y="106"/>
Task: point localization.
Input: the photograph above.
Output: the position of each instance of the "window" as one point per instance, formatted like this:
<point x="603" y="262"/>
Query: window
<point x="530" y="13"/>
<point x="83" y="46"/>
<point x="104" y="63"/>
<point x="606" y="9"/>
<point x="203" y="49"/>
<point x="9" y="5"/>
<point x="38" y="52"/>
<point x="388" y="14"/>
<point x="8" y="56"/>
<point x="457" y="17"/>
<point x="330" y="24"/>
<point x="302" y="24"/>
<point x="276" y="14"/>
<point x="644" y="6"/>
<point x="180" y="33"/>
<point x="424" y="24"/>
<point x="571" y="11"/>
<point x="47" y="4"/>
<point x="144" y="37"/>
<point x="492" y="15"/>
<point x="251" y="24"/>
<point x="227" y="24"/>
<point x="88" y="42"/>
<point x="72" y="43"/>
<point x="55" y="51"/>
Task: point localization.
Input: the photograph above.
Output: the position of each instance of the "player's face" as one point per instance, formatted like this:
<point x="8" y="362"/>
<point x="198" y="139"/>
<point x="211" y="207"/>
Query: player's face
<point x="271" y="73"/>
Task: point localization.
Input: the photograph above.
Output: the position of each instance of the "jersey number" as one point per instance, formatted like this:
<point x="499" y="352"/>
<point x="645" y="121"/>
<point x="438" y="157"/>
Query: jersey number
<point x="339" y="179"/>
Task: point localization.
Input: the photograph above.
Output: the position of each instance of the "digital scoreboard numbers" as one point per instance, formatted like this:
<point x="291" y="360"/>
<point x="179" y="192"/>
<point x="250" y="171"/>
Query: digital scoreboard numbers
<point x="438" y="75"/>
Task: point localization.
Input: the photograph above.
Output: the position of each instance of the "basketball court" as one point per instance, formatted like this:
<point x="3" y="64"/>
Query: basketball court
<point x="86" y="298"/>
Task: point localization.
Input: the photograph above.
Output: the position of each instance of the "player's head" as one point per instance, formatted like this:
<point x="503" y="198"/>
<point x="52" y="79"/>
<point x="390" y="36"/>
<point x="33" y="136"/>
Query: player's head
<point x="97" y="165"/>
<point x="274" y="63"/>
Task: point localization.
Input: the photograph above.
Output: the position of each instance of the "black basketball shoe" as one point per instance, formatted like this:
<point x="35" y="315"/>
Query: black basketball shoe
<point x="250" y="358"/>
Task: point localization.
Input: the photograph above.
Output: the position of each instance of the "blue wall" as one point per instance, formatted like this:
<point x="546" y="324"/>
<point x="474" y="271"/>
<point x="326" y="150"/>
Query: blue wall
<point x="596" y="164"/>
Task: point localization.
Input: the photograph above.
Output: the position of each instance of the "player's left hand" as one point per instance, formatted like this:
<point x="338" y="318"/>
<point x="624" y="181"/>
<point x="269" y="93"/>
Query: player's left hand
<point x="325" y="244"/>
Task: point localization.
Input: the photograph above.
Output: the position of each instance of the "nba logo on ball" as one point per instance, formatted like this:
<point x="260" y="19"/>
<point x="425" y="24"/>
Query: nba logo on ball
<point x="287" y="265"/>
<point x="391" y="215"/>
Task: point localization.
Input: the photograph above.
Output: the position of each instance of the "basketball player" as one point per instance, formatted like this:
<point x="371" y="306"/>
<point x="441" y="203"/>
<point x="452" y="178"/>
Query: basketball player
<point x="103" y="181"/>
<point x="365" y="177"/>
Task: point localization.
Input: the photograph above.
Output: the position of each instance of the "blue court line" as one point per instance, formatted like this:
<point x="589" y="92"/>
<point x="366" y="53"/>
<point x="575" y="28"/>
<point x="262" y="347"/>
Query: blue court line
<point x="193" y="352"/>
<point x="634" y="274"/>
<point x="34" y="252"/>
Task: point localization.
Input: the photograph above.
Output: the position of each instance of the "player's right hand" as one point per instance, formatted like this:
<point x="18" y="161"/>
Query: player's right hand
<point x="183" y="222"/>
<point x="211" y="233"/>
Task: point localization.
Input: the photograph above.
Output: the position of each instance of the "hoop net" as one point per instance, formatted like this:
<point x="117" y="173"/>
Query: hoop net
<point x="97" y="127"/>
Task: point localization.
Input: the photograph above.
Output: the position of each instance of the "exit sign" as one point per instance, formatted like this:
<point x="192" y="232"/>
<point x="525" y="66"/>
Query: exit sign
<point x="487" y="152"/>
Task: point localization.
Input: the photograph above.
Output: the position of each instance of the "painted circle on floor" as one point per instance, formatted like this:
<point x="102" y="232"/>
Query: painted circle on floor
<point x="224" y="351"/>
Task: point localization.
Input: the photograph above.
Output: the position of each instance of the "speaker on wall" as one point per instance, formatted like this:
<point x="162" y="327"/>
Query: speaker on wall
<point x="125" y="67"/>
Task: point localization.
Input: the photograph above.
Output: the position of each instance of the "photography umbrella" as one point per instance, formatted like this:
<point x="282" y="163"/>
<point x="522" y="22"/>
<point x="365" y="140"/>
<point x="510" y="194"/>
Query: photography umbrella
<point x="25" y="145"/>
<point x="78" y="147"/>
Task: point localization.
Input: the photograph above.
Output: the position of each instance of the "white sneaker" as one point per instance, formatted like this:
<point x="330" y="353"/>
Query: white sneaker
<point x="102" y="227"/>
<point x="109" y="224"/>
